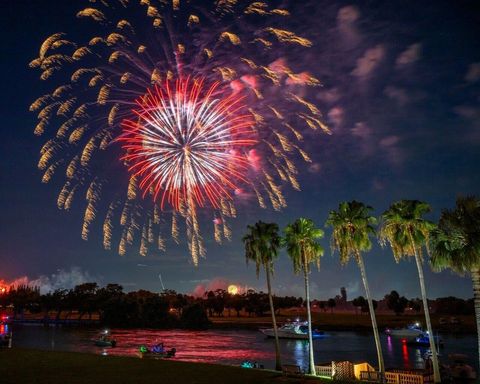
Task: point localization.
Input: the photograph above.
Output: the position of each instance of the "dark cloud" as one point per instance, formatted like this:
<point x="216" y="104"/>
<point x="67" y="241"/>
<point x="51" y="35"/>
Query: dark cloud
<point x="409" y="56"/>
<point x="473" y="73"/>
<point x="399" y="95"/>
<point x="369" y="62"/>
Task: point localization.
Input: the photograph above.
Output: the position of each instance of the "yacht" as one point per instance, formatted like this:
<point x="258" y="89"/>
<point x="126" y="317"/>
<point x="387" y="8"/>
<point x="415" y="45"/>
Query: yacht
<point x="410" y="331"/>
<point x="293" y="330"/>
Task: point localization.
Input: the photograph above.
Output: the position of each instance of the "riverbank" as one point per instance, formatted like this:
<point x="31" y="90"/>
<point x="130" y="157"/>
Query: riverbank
<point x="349" y="322"/>
<point x="326" y="321"/>
<point x="42" y="367"/>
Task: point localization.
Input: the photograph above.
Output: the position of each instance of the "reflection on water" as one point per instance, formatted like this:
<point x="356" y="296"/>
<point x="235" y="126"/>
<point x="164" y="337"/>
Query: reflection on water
<point x="235" y="346"/>
<point x="300" y="351"/>
<point x="405" y="356"/>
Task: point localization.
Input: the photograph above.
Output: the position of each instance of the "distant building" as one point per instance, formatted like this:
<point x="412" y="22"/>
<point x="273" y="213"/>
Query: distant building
<point x="343" y="293"/>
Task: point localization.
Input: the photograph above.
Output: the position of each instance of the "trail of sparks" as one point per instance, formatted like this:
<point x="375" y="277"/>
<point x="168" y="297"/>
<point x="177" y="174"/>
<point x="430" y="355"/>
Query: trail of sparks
<point x="188" y="144"/>
<point x="233" y="130"/>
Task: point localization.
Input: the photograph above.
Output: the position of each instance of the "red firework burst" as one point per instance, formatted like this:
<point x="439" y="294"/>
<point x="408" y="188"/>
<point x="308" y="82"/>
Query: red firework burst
<point x="189" y="143"/>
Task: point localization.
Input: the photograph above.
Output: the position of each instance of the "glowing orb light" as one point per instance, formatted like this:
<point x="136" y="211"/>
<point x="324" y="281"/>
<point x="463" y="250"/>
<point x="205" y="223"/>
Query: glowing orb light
<point x="232" y="289"/>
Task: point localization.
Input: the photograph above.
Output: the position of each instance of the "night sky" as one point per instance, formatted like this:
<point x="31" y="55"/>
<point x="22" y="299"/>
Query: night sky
<point x="401" y="93"/>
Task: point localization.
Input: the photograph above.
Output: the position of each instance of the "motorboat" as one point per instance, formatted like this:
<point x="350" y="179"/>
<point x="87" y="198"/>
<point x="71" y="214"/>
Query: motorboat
<point x="424" y="341"/>
<point x="293" y="330"/>
<point x="102" y="342"/>
<point x="410" y="331"/>
<point x="156" y="351"/>
<point x="105" y="340"/>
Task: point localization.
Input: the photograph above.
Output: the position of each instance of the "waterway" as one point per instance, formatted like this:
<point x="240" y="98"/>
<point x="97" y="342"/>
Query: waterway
<point x="235" y="346"/>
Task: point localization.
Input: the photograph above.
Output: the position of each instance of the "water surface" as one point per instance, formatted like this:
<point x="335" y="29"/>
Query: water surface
<point x="235" y="346"/>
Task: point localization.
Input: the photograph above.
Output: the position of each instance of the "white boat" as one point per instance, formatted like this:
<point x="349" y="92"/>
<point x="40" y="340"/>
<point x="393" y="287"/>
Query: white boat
<point x="293" y="330"/>
<point x="410" y="331"/>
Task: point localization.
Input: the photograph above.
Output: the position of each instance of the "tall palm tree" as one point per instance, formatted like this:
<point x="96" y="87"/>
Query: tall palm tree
<point x="352" y="227"/>
<point x="456" y="245"/>
<point x="262" y="243"/>
<point x="405" y="229"/>
<point x="302" y="247"/>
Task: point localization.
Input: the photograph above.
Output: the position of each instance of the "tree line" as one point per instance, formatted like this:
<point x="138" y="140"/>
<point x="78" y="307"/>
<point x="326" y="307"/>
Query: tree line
<point x="89" y="299"/>
<point x="114" y="307"/>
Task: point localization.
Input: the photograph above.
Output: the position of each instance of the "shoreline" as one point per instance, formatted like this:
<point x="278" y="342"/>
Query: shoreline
<point x="339" y="322"/>
<point x="42" y="367"/>
<point x="336" y="322"/>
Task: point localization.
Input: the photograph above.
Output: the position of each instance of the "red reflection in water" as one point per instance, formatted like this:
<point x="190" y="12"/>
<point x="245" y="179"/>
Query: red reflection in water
<point x="191" y="346"/>
<point x="406" y="360"/>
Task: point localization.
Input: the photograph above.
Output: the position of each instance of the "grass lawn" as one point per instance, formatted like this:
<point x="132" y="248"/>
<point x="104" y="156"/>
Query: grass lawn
<point x="23" y="366"/>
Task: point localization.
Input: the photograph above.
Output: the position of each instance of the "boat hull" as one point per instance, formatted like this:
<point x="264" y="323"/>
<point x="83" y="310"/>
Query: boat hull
<point x="101" y="343"/>
<point x="425" y="342"/>
<point x="290" y="335"/>
<point x="404" y="333"/>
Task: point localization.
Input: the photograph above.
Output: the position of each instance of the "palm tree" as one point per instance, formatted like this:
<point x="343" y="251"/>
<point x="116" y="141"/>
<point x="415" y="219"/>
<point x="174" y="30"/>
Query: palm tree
<point x="456" y="244"/>
<point x="262" y="243"/>
<point x="302" y="247"/>
<point x="352" y="227"/>
<point x="405" y="229"/>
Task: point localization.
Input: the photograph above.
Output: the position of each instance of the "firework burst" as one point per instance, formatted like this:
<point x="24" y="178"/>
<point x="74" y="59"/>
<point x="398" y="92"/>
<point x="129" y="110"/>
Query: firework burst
<point x="201" y="102"/>
<point x="186" y="146"/>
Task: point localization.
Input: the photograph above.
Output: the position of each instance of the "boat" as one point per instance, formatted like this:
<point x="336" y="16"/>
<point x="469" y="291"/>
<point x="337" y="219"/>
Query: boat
<point x="424" y="341"/>
<point x="156" y="351"/>
<point x="293" y="330"/>
<point x="105" y="340"/>
<point x="411" y="330"/>
<point x="5" y="335"/>
<point x="251" y="364"/>
<point x="105" y="343"/>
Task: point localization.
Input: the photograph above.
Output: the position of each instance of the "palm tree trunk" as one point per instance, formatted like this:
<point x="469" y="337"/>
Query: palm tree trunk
<point x="431" y="337"/>
<point x="476" y="298"/>
<point x="278" y="363"/>
<point x="361" y="265"/>
<point x="309" y="317"/>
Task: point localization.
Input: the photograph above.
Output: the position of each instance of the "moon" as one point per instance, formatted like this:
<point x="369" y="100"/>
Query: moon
<point x="232" y="289"/>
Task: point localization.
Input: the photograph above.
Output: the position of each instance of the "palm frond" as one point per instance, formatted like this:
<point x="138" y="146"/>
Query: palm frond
<point x="301" y="241"/>
<point x="352" y="227"/>
<point x="456" y="242"/>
